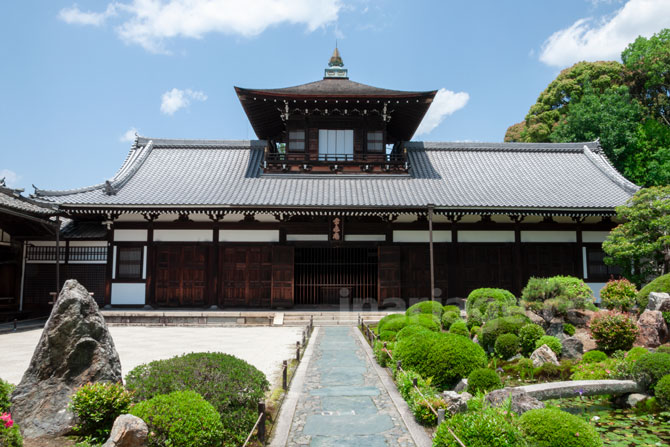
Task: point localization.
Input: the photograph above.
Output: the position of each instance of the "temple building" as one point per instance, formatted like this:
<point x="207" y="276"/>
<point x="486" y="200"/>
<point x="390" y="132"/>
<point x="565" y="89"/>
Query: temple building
<point x="333" y="204"/>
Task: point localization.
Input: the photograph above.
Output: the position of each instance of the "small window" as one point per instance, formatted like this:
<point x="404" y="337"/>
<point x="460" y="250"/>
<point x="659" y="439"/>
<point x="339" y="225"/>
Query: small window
<point x="296" y="141"/>
<point x="596" y="267"/>
<point x="129" y="263"/>
<point x="4" y="237"/>
<point x="376" y="141"/>
<point x="336" y="144"/>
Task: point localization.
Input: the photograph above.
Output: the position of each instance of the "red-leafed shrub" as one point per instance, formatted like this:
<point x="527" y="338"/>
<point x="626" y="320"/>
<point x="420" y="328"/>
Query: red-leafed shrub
<point x="613" y="331"/>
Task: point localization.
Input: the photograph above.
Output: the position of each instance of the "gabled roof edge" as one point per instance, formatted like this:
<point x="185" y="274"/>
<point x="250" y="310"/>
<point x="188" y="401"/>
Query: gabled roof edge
<point x="600" y="160"/>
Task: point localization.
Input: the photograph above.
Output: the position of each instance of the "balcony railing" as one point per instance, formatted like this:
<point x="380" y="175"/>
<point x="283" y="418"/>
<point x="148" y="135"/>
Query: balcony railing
<point x="367" y="161"/>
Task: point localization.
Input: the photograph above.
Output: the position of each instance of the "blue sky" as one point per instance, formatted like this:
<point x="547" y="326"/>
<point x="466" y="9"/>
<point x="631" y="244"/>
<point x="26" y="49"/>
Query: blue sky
<point x="78" y="79"/>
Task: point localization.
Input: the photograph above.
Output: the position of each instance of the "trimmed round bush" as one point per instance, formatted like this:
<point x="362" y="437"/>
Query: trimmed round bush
<point x="662" y="392"/>
<point x="569" y="329"/>
<point x="618" y="294"/>
<point x="475" y="330"/>
<point x="660" y="284"/>
<point x="96" y="406"/>
<point x="490" y="427"/>
<point x="594" y="356"/>
<point x="425" y="307"/>
<point x="387" y="335"/>
<point x="400" y="321"/>
<point x="613" y="331"/>
<point x="635" y="354"/>
<point x="445" y="357"/>
<point x="664" y="348"/>
<point x="389" y="319"/>
<point x="231" y="385"/>
<point x="6" y="389"/>
<point x="650" y="368"/>
<point x="529" y="334"/>
<point x="410" y="331"/>
<point x="451" y="308"/>
<point x="449" y="318"/>
<point x="484" y="380"/>
<point x="181" y="419"/>
<point x="507" y="346"/>
<point x="576" y="290"/>
<point x="553" y="343"/>
<point x="505" y="325"/>
<point x="480" y="298"/>
<point x="547" y="427"/>
<point x="475" y="318"/>
<point x="459" y="327"/>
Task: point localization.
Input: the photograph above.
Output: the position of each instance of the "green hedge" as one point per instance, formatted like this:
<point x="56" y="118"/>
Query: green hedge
<point x="480" y="298"/>
<point x="551" y="341"/>
<point x="496" y="327"/>
<point x="445" y="357"/>
<point x="410" y="331"/>
<point x="662" y="392"/>
<point x="553" y="428"/>
<point x="507" y="346"/>
<point x="483" y="380"/>
<point x="459" y="327"/>
<point x="529" y="334"/>
<point x="396" y="322"/>
<point x="594" y="356"/>
<point x="425" y="307"/>
<point x="660" y="284"/>
<point x="231" y="385"/>
<point x="650" y="368"/>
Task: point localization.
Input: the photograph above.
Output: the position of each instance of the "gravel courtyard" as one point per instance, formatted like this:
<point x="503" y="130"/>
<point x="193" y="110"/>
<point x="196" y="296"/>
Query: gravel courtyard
<point x="263" y="347"/>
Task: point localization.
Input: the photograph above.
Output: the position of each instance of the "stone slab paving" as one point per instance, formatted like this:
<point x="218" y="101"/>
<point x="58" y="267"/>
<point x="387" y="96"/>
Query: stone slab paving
<point x="342" y="401"/>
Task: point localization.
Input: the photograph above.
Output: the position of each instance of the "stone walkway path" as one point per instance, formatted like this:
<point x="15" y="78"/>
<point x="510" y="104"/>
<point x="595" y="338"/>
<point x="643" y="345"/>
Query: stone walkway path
<point x="343" y="402"/>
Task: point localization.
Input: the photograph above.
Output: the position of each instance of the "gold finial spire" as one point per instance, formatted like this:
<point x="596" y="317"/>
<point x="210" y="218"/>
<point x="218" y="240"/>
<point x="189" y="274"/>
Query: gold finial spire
<point x="335" y="59"/>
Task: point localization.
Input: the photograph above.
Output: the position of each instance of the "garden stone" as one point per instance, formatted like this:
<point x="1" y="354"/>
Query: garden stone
<point x="578" y="317"/>
<point x="633" y="399"/>
<point x="543" y="355"/>
<point x="515" y="358"/>
<point x="653" y="329"/>
<point x="573" y="348"/>
<point x="462" y="385"/>
<point x="574" y="388"/>
<point x="456" y="403"/>
<point x="586" y="338"/>
<point x="75" y="348"/>
<point x="658" y="300"/>
<point x="535" y="318"/>
<point x="128" y="431"/>
<point x="521" y="401"/>
<point x="555" y="327"/>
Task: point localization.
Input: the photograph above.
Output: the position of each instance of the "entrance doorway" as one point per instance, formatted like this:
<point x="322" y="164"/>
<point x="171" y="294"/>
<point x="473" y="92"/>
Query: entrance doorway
<point x="325" y="275"/>
<point x="181" y="275"/>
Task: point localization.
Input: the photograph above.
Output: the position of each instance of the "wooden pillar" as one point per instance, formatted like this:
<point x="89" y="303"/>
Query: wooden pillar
<point x="149" y="294"/>
<point x="110" y="266"/>
<point x="213" y="299"/>
<point x="57" y="256"/>
<point x="518" y="259"/>
<point x="432" y="254"/>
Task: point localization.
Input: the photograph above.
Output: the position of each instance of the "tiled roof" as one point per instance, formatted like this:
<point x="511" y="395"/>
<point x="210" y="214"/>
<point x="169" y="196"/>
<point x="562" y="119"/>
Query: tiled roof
<point x="13" y="200"/>
<point x="191" y="173"/>
<point x="335" y="87"/>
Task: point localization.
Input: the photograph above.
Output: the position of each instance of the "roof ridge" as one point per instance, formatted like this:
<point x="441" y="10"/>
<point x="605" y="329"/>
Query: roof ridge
<point x="602" y="162"/>
<point x="493" y="146"/>
<point x="180" y="142"/>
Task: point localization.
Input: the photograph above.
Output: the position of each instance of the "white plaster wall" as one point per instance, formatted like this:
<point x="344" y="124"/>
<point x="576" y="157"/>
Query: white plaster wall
<point x="365" y="237"/>
<point x="183" y="235"/>
<point x="421" y="236"/>
<point x="130" y="235"/>
<point x="249" y="235"/>
<point x="486" y="236"/>
<point x="549" y="236"/>
<point x="594" y="236"/>
<point x="88" y="243"/>
<point x="307" y="237"/>
<point x="128" y="293"/>
<point x="130" y="217"/>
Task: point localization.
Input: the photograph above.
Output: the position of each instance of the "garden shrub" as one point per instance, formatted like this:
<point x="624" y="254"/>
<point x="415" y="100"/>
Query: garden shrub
<point x="613" y="331"/>
<point x="569" y="329"/>
<point x="382" y="357"/>
<point x="96" y="407"/>
<point x="487" y="426"/>
<point x="475" y="331"/>
<point x="6" y="389"/>
<point x="553" y="343"/>
<point x="496" y="309"/>
<point x="451" y="308"/>
<point x="635" y="353"/>
<point x="410" y="331"/>
<point x="445" y="357"/>
<point x="650" y="368"/>
<point x="425" y="307"/>
<point x="507" y="346"/>
<point x="549" y="371"/>
<point x="480" y="298"/>
<point x="594" y="356"/>
<point x="525" y="369"/>
<point x="388" y="319"/>
<point x="404" y="382"/>
<point x="10" y="434"/>
<point x="548" y="297"/>
<point x="400" y="321"/>
<point x="606" y="369"/>
<point x="576" y="290"/>
<point x="662" y="392"/>
<point x="618" y="294"/>
<point x="459" y="327"/>
<point x="547" y="427"/>
<point x="623" y="368"/>
<point x="664" y="348"/>
<point x="483" y="380"/>
<point x="505" y="325"/>
<point x="231" y="385"/>
<point x="449" y="318"/>
<point x="421" y="410"/>
<point x="660" y="284"/>
<point x="474" y="318"/>
<point x="182" y="419"/>
<point x="528" y="335"/>
<point x="387" y="335"/>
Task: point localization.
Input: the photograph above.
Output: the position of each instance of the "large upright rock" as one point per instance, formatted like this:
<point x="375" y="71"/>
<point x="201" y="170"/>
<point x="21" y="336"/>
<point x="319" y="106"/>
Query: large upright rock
<point x="520" y="401"/>
<point x="659" y="301"/>
<point x="543" y="355"/>
<point x="573" y="348"/>
<point x="653" y="329"/>
<point x="75" y="348"/>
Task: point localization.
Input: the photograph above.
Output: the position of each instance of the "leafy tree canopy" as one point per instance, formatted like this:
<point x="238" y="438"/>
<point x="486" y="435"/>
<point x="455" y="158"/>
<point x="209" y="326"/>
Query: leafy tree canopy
<point x="641" y="245"/>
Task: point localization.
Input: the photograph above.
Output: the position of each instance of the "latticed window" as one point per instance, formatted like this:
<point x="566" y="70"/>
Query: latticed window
<point x="296" y="141"/>
<point x="376" y="141"/>
<point x="596" y="268"/>
<point x="87" y="254"/>
<point x="129" y="263"/>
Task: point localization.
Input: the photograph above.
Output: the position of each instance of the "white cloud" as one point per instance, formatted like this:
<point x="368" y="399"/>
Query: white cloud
<point x="176" y="99"/>
<point x="445" y="103"/>
<point x="128" y="136"/>
<point x="11" y="177"/>
<point x="604" y="38"/>
<point x="150" y="23"/>
<point x="74" y="15"/>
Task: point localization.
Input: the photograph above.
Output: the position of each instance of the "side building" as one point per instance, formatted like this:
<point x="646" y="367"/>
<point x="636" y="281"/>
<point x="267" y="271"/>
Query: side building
<point x="333" y="204"/>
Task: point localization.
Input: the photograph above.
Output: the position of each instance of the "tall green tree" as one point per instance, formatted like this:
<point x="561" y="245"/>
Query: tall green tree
<point x="647" y="63"/>
<point x="641" y="245"/>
